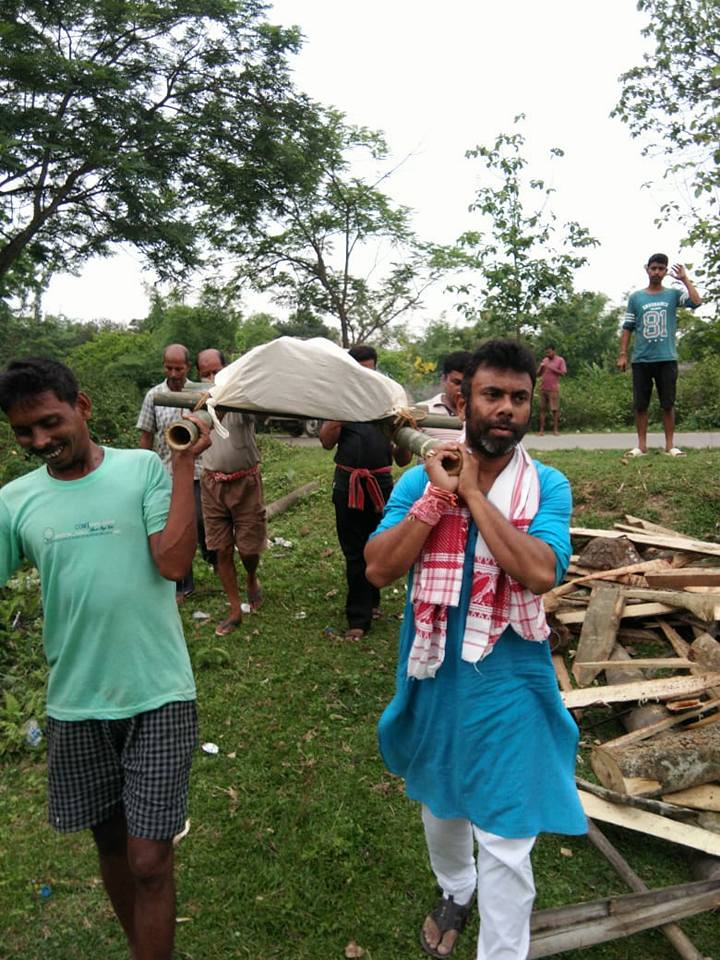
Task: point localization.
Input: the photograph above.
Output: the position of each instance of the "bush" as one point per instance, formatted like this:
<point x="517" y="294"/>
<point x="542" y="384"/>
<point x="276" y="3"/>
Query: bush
<point x="600" y="399"/>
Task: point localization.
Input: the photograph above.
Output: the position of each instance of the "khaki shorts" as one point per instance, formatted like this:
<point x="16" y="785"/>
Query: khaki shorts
<point x="550" y="398"/>
<point x="234" y="513"/>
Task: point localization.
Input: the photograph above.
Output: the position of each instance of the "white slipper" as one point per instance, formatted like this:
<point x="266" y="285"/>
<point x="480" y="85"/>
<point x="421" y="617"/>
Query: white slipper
<point x="636" y="452"/>
<point x="674" y="452"/>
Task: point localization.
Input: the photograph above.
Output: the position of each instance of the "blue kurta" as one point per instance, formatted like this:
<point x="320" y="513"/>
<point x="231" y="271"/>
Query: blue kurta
<point x="490" y="742"/>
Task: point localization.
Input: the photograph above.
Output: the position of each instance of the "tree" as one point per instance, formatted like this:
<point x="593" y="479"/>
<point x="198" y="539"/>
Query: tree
<point x="583" y="328"/>
<point x="212" y="322"/>
<point x="311" y="257"/>
<point x="256" y="329"/>
<point x="143" y="121"/>
<point x="304" y="324"/>
<point x="672" y="103"/>
<point x="55" y="337"/>
<point x="521" y="269"/>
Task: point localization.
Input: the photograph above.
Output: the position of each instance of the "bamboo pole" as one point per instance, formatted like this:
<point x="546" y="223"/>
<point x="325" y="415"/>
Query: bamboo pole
<point x="183" y="433"/>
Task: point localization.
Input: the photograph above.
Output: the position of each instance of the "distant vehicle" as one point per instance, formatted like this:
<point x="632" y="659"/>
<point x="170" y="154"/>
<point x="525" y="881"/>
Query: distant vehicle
<point x="295" y="427"/>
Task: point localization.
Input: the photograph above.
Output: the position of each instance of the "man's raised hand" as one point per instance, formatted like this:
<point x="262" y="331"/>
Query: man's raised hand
<point x="435" y="465"/>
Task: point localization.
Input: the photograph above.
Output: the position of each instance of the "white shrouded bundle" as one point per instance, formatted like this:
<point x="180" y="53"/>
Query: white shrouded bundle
<point x="305" y="378"/>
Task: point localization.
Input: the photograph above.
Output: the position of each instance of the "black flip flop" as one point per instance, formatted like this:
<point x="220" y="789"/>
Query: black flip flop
<point x="447" y="915"/>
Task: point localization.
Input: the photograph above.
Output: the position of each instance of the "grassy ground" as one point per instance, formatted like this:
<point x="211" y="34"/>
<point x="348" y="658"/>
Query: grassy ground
<point x="300" y="841"/>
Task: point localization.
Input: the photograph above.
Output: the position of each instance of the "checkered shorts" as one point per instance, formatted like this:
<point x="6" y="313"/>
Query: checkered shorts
<point x="141" y="764"/>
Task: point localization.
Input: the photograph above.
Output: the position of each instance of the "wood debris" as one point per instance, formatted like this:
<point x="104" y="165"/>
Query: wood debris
<point x="638" y="620"/>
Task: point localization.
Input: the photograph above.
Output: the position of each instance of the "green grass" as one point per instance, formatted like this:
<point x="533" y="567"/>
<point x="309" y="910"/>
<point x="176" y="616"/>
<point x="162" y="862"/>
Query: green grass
<point x="300" y="841"/>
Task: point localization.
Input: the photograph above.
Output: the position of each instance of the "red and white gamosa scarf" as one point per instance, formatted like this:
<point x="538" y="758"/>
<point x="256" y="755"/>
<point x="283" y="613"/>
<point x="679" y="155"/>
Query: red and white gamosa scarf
<point x="496" y="599"/>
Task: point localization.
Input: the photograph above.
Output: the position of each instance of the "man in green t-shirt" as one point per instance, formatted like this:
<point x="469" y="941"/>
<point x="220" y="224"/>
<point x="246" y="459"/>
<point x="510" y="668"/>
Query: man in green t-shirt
<point x="108" y="535"/>
<point x="652" y="316"/>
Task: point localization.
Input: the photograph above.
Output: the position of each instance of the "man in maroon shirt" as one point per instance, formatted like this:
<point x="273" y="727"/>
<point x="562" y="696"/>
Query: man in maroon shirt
<point x="551" y="368"/>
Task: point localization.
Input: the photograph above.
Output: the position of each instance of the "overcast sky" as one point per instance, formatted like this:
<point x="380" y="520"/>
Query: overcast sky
<point x="439" y="78"/>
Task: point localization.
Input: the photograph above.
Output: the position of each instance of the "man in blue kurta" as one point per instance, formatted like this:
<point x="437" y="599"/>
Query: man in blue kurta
<point x="652" y="316"/>
<point x="477" y="728"/>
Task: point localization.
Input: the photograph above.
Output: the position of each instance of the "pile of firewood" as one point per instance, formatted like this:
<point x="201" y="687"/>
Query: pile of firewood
<point x="634" y="629"/>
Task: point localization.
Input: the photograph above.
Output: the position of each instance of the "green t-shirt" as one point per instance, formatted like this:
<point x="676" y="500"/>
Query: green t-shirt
<point x="112" y="633"/>
<point x="653" y="319"/>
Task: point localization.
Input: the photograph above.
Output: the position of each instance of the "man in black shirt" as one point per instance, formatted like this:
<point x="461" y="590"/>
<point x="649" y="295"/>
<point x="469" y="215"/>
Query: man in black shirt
<point x="361" y="488"/>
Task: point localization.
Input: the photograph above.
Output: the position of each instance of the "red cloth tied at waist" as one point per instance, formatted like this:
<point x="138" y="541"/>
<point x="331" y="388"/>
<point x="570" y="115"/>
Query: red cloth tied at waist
<point x="356" y="492"/>
<point x="219" y="477"/>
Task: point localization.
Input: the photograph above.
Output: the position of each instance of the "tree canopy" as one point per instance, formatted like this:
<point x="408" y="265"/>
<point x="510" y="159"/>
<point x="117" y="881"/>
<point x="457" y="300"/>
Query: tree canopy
<point x="145" y="121"/>
<point x="338" y="247"/>
<point x="672" y="103"/>
<point x="524" y="259"/>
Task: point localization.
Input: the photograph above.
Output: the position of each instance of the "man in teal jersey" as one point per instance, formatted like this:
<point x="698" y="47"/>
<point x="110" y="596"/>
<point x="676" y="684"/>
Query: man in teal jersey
<point x="652" y="316"/>
<point x="108" y="535"/>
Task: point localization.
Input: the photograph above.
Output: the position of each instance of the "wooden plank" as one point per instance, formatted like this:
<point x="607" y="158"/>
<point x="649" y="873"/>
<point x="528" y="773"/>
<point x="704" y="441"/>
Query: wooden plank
<point x="662" y="808"/>
<point x="657" y="663"/>
<point x="651" y="824"/>
<point x="704" y="797"/>
<point x="634" y="568"/>
<point x="564" y="681"/>
<point x="685" y="948"/>
<point x="577" y="914"/>
<point x="599" y="630"/>
<point x="636" y="610"/>
<point x="687" y="577"/>
<point x="617" y="923"/>
<point x="680" y="646"/>
<point x="653" y="540"/>
<point x="659" y="727"/>
<point x="668" y="688"/>
<point x="647" y="525"/>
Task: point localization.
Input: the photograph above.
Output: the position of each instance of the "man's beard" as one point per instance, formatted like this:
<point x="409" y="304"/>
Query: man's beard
<point x="478" y="436"/>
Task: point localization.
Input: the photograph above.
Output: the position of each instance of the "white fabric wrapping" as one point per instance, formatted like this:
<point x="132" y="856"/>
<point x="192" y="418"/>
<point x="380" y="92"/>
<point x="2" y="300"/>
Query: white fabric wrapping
<point x="305" y="378"/>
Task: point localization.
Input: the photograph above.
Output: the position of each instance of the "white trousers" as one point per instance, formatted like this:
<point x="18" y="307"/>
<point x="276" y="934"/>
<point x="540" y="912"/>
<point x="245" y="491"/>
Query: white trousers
<point x="503" y="877"/>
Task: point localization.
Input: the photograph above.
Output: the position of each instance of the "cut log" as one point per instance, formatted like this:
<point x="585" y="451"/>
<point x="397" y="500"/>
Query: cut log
<point x="651" y="824"/>
<point x="667" y="723"/>
<point x="582" y="925"/>
<point x="623" y="670"/>
<point x="703" y="606"/>
<point x="604" y="553"/>
<point x="705" y="867"/>
<point x="670" y="688"/>
<point x="705" y="797"/>
<point x="705" y="651"/>
<point x="277" y="507"/>
<point x="682" y="649"/>
<point x="685" y="544"/>
<point x="599" y="630"/>
<point x="676" y="760"/>
<point x="684" y="946"/>
<point x="644" y="716"/>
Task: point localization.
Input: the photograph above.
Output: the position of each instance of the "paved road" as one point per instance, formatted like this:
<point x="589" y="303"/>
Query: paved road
<point x="616" y="441"/>
<point x="583" y="441"/>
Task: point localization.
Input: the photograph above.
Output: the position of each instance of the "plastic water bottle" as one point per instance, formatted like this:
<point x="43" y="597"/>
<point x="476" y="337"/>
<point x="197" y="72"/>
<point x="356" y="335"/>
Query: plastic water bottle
<point x="33" y="733"/>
